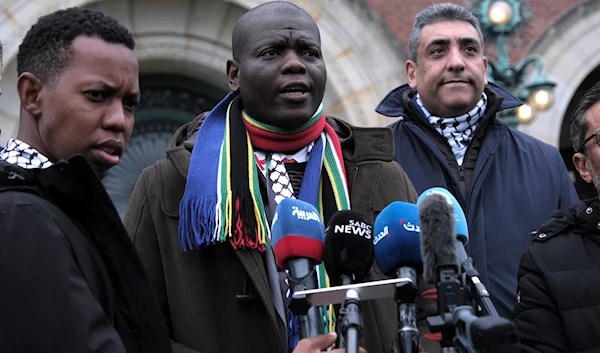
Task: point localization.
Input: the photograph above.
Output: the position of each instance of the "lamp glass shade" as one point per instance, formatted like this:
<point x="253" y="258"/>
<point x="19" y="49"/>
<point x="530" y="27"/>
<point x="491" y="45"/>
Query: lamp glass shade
<point x="541" y="99"/>
<point x="500" y="12"/>
<point x="525" y="114"/>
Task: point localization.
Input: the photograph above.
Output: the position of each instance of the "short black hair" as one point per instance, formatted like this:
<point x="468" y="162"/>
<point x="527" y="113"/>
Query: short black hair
<point x="47" y="48"/>
<point x="245" y="22"/>
<point x="579" y="123"/>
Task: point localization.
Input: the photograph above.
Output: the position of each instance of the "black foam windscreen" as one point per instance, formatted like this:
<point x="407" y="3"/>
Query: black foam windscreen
<point x="348" y="246"/>
<point x="437" y="235"/>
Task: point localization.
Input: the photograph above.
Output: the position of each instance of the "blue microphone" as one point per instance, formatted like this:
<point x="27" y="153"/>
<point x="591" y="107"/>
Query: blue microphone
<point x="397" y="238"/>
<point x="298" y="235"/>
<point x="460" y="221"/>
<point x="461" y="232"/>
<point x="398" y="254"/>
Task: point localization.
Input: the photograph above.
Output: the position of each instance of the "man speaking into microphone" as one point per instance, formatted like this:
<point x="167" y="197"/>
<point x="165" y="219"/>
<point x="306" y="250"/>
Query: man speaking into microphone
<point x="200" y="218"/>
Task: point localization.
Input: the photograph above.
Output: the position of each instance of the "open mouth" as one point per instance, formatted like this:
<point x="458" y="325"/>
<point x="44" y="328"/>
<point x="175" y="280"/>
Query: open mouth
<point x="109" y="154"/>
<point x="294" y="91"/>
<point x="112" y="149"/>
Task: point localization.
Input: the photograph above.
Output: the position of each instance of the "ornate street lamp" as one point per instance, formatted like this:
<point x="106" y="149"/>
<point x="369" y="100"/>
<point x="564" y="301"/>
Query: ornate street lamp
<point x="499" y="19"/>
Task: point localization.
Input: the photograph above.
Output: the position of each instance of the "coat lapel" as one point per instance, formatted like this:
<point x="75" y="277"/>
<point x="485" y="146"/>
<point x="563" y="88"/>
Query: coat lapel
<point x="251" y="260"/>
<point x="254" y="265"/>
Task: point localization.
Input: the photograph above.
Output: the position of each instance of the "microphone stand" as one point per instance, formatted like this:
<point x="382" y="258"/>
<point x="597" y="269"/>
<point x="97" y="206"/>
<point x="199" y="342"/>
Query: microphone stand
<point x="406" y="297"/>
<point x="351" y="323"/>
<point x="477" y="289"/>
<point x="457" y="322"/>
<point x="300" y="279"/>
<point x="341" y="342"/>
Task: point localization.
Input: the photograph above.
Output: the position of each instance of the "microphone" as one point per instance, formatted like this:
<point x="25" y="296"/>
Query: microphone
<point x="440" y="263"/>
<point x="444" y="233"/>
<point x="438" y="223"/>
<point x="348" y="257"/>
<point x="297" y="234"/>
<point x="461" y="232"/>
<point x="398" y="253"/>
<point x="348" y="253"/>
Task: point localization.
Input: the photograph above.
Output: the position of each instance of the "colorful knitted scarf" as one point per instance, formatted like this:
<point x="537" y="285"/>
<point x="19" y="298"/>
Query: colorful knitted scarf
<point x="222" y="200"/>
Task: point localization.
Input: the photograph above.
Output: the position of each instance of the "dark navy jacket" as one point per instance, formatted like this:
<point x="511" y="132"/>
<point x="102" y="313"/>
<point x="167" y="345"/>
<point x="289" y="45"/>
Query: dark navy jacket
<point x="517" y="183"/>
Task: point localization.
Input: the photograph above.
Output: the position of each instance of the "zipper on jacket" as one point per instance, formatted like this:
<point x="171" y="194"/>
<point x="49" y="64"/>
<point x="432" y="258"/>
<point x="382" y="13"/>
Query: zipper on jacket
<point x="462" y="181"/>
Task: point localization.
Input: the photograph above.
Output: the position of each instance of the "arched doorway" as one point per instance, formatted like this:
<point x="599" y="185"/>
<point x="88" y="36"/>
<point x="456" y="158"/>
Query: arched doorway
<point x="168" y="101"/>
<point x="569" y="58"/>
<point x="573" y="64"/>
<point x="584" y="189"/>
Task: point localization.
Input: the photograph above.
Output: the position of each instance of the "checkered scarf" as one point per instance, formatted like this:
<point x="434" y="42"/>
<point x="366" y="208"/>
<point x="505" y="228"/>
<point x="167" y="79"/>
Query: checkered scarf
<point x="19" y="153"/>
<point x="457" y="130"/>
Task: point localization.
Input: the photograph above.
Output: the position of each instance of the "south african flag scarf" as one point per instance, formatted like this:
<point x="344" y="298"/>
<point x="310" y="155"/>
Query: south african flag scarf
<point x="222" y="200"/>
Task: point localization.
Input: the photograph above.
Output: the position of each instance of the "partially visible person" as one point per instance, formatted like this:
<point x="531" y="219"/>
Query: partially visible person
<point x="72" y="280"/>
<point x="557" y="307"/>
<point x="506" y="181"/>
<point x="200" y="218"/>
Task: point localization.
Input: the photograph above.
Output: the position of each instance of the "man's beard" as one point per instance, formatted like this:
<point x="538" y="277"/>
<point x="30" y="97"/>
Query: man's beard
<point x="595" y="177"/>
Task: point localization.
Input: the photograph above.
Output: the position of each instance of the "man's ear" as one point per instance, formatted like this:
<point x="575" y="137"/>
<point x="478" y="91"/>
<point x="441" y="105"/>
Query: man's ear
<point x="411" y="68"/>
<point x="29" y="88"/>
<point x="233" y="75"/>
<point x="582" y="166"/>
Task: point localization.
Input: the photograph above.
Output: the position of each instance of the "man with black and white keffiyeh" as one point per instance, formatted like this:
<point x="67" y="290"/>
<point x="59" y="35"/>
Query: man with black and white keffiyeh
<point x="507" y="182"/>
<point x="72" y="280"/>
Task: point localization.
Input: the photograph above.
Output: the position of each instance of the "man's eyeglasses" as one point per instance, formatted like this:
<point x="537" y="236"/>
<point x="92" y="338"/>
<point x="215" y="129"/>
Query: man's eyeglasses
<point x="596" y="135"/>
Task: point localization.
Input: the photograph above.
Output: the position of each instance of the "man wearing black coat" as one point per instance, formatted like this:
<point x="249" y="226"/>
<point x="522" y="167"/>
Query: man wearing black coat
<point x="557" y="303"/>
<point x="71" y="279"/>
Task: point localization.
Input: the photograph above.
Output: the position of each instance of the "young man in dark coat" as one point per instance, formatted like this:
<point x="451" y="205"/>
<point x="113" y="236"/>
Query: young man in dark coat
<point x="216" y="286"/>
<point x="559" y="278"/>
<point x="72" y="280"/>
<point x="506" y="182"/>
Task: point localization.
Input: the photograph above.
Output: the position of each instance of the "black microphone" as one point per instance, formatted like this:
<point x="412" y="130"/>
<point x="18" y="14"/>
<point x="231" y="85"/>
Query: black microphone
<point x="348" y="257"/>
<point x="348" y="251"/>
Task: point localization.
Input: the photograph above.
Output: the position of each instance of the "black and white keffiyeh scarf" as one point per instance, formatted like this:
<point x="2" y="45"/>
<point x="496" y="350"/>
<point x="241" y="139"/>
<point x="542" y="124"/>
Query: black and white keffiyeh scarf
<point x="19" y="153"/>
<point x="457" y="130"/>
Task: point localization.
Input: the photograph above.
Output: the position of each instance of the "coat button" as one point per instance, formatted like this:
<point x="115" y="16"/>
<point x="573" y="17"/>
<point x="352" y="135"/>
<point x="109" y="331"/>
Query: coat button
<point x="598" y="225"/>
<point x="589" y="210"/>
<point x="542" y="235"/>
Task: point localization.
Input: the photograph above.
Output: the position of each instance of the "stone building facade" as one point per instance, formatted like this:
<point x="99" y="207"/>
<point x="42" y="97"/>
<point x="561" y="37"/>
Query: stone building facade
<point x="183" y="45"/>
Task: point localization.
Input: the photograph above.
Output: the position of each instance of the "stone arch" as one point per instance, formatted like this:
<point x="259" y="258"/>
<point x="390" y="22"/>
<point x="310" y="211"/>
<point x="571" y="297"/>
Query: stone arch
<point x="569" y="59"/>
<point x="363" y="60"/>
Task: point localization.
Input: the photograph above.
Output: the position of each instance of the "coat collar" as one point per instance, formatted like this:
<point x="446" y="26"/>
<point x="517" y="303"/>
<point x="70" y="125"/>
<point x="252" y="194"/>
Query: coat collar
<point x="584" y="218"/>
<point x="394" y="104"/>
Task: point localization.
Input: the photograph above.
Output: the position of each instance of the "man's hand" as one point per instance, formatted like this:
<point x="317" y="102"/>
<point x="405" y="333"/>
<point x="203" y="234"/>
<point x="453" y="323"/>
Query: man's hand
<point x="320" y="344"/>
